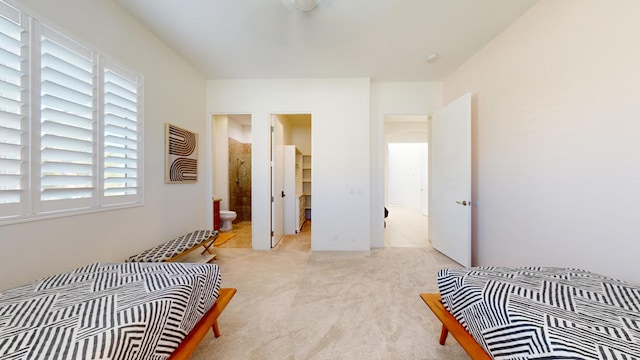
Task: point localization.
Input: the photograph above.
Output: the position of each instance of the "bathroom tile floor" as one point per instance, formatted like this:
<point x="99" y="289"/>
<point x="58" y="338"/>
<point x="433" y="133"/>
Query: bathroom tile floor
<point x="242" y="238"/>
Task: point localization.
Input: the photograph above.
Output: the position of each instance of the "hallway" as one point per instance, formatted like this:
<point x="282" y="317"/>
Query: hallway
<point x="406" y="228"/>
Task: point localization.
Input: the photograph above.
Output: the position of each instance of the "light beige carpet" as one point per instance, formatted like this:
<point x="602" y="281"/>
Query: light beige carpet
<point x="296" y="304"/>
<point x="406" y="228"/>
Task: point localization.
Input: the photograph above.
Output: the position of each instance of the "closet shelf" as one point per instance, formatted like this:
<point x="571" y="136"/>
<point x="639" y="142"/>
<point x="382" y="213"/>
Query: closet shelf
<point x="306" y="184"/>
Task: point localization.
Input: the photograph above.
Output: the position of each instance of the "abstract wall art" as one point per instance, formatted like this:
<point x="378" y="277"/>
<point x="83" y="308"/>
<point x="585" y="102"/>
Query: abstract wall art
<point x="181" y="155"/>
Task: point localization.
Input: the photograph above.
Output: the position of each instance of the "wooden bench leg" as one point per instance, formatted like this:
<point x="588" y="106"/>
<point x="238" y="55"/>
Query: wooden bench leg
<point x="207" y="248"/>
<point x="216" y="329"/>
<point x="468" y="343"/>
<point x="210" y="318"/>
<point x="221" y="303"/>
<point x="443" y="334"/>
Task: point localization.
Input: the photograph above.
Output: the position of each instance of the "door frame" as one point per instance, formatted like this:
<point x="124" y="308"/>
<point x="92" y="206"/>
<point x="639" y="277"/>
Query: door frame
<point x="277" y="184"/>
<point x="210" y="171"/>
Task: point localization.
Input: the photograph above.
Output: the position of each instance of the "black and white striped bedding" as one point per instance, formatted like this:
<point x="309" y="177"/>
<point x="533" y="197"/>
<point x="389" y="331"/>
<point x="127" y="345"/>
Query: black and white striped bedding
<point x="544" y="313"/>
<point x="107" y="311"/>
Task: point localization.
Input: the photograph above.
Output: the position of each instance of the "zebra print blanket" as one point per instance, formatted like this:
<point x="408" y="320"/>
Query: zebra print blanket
<point x="544" y="313"/>
<point x="107" y="311"/>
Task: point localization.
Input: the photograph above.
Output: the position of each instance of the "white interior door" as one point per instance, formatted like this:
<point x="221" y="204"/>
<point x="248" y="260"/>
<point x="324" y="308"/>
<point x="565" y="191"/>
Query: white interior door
<point x="277" y="181"/>
<point x="450" y="183"/>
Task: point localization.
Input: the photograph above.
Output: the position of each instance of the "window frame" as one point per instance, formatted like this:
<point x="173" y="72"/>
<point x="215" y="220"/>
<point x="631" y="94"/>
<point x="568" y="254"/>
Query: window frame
<point x="31" y="206"/>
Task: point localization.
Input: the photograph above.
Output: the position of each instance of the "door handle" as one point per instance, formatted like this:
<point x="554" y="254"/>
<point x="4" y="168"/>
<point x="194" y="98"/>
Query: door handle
<point x="463" y="202"/>
<point x="283" y="195"/>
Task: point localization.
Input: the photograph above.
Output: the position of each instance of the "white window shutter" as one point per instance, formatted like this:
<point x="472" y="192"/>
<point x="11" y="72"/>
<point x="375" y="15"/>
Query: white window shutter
<point x="68" y="124"/>
<point x="122" y="134"/>
<point x="13" y="110"/>
<point x="71" y="124"/>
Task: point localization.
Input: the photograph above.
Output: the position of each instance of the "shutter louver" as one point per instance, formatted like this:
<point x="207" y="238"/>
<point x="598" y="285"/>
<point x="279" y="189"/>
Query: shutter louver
<point x="67" y="119"/>
<point x="121" y="139"/>
<point x="13" y="104"/>
<point x="71" y="124"/>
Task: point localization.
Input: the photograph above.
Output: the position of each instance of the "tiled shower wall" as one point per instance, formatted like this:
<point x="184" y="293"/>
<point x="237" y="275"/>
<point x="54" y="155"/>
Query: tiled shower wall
<point x="240" y="179"/>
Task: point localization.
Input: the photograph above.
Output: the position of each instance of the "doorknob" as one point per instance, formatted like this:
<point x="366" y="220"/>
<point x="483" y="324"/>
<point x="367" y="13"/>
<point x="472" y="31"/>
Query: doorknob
<point x="463" y="202"/>
<point x="283" y="195"/>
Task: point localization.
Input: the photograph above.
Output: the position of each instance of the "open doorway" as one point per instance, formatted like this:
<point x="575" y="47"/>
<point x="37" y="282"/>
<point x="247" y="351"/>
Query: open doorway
<point x="232" y="154"/>
<point x="291" y="176"/>
<point x="406" y="188"/>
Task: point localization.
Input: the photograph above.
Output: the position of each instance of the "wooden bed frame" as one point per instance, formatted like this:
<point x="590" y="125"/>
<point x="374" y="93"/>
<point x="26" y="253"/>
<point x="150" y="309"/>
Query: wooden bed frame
<point x="451" y="325"/>
<point x="209" y="320"/>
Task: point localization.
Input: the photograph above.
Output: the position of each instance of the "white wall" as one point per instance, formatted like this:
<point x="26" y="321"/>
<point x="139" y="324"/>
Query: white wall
<point x="393" y="98"/>
<point x="220" y="156"/>
<point x="407" y="180"/>
<point x="406" y="132"/>
<point x="286" y="128"/>
<point x="239" y="132"/>
<point x="301" y="137"/>
<point x="403" y="132"/>
<point x="174" y="92"/>
<point x="340" y="108"/>
<point x="555" y="132"/>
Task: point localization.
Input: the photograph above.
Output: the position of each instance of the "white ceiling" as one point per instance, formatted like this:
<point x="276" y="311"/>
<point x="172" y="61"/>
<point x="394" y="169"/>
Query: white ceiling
<point x="386" y="40"/>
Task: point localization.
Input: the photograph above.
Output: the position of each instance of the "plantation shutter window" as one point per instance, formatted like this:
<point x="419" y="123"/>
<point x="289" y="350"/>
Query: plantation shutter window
<point x="13" y="109"/>
<point x="67" y="132"/>
<point x="71" y="124"/>
<point x="121" y="133"/>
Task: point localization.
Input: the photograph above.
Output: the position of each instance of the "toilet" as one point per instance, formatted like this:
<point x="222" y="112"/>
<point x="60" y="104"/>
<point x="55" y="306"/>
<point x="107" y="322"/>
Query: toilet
<point x="227" y="218"/>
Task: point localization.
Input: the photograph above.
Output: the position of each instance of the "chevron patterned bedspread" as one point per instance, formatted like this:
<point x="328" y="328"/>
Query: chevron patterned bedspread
<point x="544" y="313"/>
<point x="107" y="311"/>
